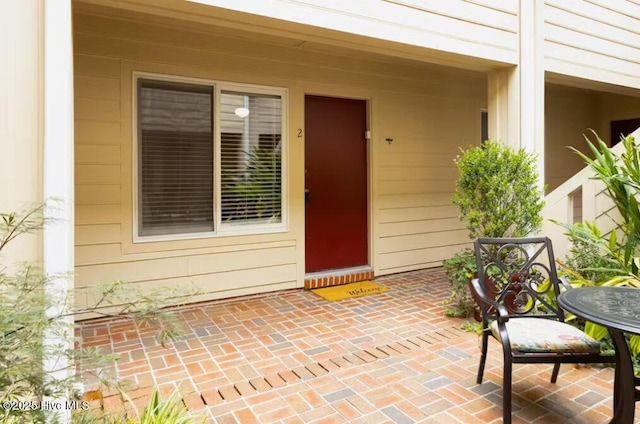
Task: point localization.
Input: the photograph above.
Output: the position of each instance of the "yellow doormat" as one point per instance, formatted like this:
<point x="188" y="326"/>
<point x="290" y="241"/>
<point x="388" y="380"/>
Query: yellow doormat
<point x="349" y="291"/>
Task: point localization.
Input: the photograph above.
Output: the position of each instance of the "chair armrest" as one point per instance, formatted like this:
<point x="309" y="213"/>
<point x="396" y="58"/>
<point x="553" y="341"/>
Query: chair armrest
<point x="565" y="283"/>
<point x="503" y="314"/>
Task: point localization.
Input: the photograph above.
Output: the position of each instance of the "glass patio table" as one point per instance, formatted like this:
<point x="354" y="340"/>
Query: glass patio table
<point x="617" y="309"/>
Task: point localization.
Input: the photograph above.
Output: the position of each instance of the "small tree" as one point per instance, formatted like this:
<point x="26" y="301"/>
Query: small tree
<point x="24" y="323"/>
<point x="498" y="192"/>
<point x="499" y="196"/>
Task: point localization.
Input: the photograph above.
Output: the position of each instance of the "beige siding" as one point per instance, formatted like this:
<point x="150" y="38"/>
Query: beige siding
<point x="613" y="107"/>
<point x="477" y="28"/>
<point x="21" y="122"/>
<point x="427" y="110"/>
<point x="569" y="113"/>
<point x="595" y="39"/>
<point x="418" y="224"/>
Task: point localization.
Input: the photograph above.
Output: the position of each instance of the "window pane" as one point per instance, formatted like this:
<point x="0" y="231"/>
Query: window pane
<point x="175" y="158"/>
<point x="251" y="158"/>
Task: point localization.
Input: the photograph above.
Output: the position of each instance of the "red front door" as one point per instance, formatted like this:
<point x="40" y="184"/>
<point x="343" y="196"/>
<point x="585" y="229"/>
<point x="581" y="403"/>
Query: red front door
<point x="336" y="183"/>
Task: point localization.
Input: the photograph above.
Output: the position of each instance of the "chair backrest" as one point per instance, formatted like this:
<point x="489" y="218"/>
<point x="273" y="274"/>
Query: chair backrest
<point x="519" y="273"/>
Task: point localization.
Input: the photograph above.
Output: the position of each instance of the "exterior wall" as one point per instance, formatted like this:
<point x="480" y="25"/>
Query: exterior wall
<point x="614" y="107"/>
<point x="485" y="29"/>
<point x="428" y="111"/>
<point x="595" y="205"/>
<point x="21" y="124"/>
<point x="594" y="39"/>
<point x="569" y="113"/>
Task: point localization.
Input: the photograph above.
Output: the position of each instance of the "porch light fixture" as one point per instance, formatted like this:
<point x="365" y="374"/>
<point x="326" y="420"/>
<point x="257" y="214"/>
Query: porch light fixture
<point x="242" y="112"/>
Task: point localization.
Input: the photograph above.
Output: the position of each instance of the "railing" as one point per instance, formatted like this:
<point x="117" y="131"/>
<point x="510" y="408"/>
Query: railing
<point x="578" y="199"/>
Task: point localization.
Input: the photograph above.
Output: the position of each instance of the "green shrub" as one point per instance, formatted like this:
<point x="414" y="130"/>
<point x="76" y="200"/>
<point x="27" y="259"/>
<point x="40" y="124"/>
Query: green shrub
<point x="459" y="269"/>
<point x="499" y="196"/>
<point x="498" y="191"/>
<point x="26" y="319"/>
<point x="611" y="259"/>
<point x="588" y="259"/>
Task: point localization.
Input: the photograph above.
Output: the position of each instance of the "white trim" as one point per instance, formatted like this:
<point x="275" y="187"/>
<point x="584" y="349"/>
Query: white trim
<point x="58" y="236"/>
<point x="532" y="83"/>
<point x="219" y="229"/>
<point x="217" y="162"/>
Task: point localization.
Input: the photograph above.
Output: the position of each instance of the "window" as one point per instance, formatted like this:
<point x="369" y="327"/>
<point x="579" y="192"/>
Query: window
<point x="209" y="159"/>
<point x="484" y="126"/>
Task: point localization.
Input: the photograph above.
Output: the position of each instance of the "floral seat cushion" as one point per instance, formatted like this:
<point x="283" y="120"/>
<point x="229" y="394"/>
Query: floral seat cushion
<point x="545" y="335"/>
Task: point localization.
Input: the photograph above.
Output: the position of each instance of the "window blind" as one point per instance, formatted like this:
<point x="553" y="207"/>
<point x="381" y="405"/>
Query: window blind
<point x="175" y="158"/>
<point x="250" y="158"/>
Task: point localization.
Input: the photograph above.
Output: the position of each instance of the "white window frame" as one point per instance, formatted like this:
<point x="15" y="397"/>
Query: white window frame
<point x="219" y="229"/>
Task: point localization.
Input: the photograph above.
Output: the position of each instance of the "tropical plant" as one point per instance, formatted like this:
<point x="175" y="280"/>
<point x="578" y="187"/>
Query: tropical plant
<point x="156" y="411"/>
<point x="587" y="258"/>
<point x="257" y="194"/>
<point x="28" y="319"/>
<point x="613" y="258"/>
<point x="621" y="177"/>
<point x="498" y="195"/>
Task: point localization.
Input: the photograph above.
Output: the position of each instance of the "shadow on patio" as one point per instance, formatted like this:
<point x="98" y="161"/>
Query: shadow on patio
<point x="292" y="357"/>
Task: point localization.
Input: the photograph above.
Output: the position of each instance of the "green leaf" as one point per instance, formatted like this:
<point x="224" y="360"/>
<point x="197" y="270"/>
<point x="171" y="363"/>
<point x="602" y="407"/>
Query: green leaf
<point x="634" y="344"/>
<point x="596" y="331"/>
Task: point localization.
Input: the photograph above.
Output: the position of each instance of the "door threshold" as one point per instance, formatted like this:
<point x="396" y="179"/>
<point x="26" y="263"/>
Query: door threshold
<point x="336" y="277"/>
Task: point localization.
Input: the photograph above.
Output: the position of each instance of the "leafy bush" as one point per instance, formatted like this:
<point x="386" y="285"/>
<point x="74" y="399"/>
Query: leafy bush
<point x="586" y="257"/>
<point x="621" y="177"/>
<point x="611" y="259"/>
<point x="498" y="192"/>
<point x="26" y="320"/>
<point x="499" y="196"/>
<point x="459" y="269"/>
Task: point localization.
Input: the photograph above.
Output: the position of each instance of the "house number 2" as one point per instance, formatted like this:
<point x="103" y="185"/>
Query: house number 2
<point x="299" y="132"/>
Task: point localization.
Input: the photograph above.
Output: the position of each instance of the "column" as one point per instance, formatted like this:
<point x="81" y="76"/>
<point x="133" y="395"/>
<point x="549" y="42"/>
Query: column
<point x="58" y="237"/>
<point x="21" y="119"/>
<point x="532" y="81"/>
<point x="516" y="94"/>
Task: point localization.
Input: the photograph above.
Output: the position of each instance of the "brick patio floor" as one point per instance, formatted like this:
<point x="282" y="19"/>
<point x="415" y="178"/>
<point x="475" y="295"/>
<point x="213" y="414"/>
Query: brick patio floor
<point x="292" y="357"/>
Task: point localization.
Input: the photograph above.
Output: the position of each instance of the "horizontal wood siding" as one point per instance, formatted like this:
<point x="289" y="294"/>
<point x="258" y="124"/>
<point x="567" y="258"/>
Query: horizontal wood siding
<point x="569" y="114"/>
<point x="593" y="39"/>
<point x="427" y="110"/>
<point x="484" y="29"/>
<point x="419" y="226"/>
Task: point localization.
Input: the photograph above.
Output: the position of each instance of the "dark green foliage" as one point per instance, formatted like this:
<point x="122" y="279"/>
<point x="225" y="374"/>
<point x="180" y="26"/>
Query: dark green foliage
<point x="460" y="268"/>
<point x="258" y="194"/>
<point x="586" y="258"/>
<point x="498" y="192"/>
<point x="498" y="196"/>
<point x="610" y="259"/>
<point x="621" y="177"/>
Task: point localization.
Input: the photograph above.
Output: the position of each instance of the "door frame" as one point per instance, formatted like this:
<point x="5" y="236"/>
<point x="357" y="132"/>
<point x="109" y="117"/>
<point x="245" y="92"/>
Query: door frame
<point x="369" y="177"/>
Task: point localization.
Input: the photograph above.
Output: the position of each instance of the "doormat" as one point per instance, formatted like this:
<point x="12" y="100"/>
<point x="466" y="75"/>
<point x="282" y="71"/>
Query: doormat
<point x="349" y="291"/>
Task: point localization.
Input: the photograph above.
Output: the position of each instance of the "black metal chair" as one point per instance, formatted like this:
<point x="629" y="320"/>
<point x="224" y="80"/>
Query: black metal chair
<point x="517" y="284"/>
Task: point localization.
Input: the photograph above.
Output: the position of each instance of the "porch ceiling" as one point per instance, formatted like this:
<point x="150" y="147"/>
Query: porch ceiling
<point x="571" y="81"/>
<point x="229" y="23"/>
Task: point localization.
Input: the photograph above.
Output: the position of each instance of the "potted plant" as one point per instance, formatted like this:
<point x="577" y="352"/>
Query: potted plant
<point x="499" y="195"/>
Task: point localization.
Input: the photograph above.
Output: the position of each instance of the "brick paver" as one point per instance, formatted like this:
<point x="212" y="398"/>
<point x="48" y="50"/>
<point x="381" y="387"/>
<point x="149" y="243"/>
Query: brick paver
<point x="292" y="357"/>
